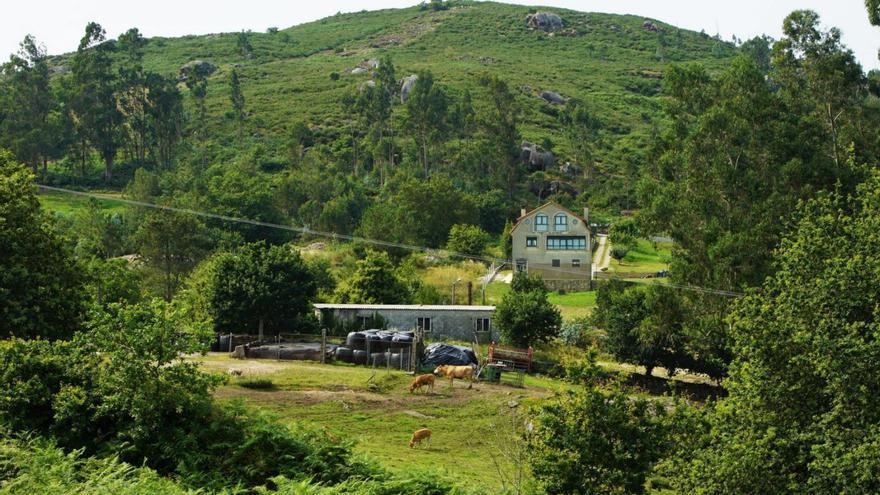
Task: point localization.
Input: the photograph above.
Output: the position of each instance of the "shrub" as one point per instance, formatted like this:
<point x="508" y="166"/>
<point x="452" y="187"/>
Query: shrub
<point x="257" y="383"/>
<point x="467" y="239"/>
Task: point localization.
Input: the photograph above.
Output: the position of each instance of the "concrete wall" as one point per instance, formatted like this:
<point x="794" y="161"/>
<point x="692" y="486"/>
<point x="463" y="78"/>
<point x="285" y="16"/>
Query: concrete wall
<point x="445" y="324"/>
<point x="539" y="258"/>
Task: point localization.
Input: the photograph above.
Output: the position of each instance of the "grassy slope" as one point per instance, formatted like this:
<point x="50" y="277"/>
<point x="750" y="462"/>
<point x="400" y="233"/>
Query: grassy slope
<point x="382" y="417"/>
<point x="645" y="258"/>
<point x="287" y="78"/>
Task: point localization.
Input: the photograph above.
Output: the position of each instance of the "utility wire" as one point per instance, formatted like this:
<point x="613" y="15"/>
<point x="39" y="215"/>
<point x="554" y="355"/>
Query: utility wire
<point x="353" y="238"/>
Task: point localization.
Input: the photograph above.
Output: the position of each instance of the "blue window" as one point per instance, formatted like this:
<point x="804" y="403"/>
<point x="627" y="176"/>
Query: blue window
<point x="560" y="222"/>
<point x="572" y="243"/>
<point x="541" y="223"/>
<point x="531" y="242"/>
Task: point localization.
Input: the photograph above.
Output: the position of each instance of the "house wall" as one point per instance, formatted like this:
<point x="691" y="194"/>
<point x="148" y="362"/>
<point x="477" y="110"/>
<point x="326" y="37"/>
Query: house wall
<point x="445" y="324"/>
<point x="539" y="258"/>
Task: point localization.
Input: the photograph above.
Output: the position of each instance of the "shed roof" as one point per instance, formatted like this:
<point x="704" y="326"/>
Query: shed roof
<point x="404" y="307"/>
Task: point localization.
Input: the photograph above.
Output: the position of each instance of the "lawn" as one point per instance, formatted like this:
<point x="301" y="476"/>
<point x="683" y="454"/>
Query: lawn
<point x="646" y="257"/>
<point x="574" y="304"/>
<point x="66" y="204"/>
<point x="376" y="410"/>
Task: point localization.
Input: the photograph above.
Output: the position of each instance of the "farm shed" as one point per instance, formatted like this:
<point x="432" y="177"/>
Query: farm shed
<point x="438" y="322"/>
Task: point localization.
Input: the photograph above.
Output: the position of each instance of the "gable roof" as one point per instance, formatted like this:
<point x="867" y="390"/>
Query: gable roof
<point x="549" y="203"/>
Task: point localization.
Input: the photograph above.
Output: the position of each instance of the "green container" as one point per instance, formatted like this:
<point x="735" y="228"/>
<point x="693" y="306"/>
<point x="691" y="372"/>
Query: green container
<point x="492" y="374"/>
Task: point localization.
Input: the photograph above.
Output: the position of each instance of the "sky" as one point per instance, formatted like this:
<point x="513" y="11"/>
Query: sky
<point x="59" y="24"/>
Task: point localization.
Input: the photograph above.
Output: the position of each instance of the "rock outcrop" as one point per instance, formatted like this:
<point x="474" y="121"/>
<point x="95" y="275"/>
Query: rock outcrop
<point x="536" y="157"/>
<point x="406" y="86"/>
<point x="200" y="67"/>
<point x="545" y="21"/>
<point x="552" y="97"/>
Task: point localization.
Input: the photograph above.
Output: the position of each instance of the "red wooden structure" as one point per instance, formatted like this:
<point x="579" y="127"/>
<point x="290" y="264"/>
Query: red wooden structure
<point x="510" y="358"/>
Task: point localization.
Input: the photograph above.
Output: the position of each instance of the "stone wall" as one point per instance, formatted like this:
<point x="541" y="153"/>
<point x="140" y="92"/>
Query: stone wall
<point x="578" y="285"/>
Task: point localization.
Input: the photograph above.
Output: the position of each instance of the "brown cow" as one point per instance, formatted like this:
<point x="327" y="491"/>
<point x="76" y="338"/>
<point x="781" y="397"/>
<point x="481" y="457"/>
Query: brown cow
<point x="421" y="381"/>
<point x="453" y="372"/>
<point x="418" y="436"/>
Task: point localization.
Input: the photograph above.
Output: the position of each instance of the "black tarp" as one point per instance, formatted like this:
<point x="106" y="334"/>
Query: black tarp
<point x="437" y="354"/>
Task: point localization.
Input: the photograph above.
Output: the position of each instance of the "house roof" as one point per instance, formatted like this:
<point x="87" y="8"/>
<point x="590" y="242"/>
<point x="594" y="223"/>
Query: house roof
<point x="549" y="203"/>
<point x="404" y="307"/>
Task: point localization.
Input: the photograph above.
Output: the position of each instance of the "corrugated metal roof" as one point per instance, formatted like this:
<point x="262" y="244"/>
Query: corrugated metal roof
<point x="404" y="307"/>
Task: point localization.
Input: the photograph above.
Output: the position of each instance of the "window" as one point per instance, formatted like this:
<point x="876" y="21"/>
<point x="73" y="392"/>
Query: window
<point x="576" y="263"/>
<point x="555" y="263"/>
<point x="423" y="324"/>
<point x="572" y="243"/>
<point x="482" y="325"/>
<point x="531" y="242"/>
<point x="541" y="223"/>
<point x="522" y="265"/>
<point x="560" y="222"/>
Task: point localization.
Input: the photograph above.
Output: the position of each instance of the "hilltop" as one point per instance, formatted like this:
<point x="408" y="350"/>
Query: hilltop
<point x="612" y="62"/>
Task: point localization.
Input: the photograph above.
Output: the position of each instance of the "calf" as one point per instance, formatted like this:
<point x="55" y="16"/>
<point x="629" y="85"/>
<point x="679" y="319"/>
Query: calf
<point x="421" y="381"/>
<point x="418" y="436"/>
<point x="453" y="372"/>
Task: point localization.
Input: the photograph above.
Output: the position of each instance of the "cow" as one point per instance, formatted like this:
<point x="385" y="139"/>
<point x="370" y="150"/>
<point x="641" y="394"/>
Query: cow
<point x="453" y="372"/>
<point x="418" y="436"/>
<point x="422" y="381"/>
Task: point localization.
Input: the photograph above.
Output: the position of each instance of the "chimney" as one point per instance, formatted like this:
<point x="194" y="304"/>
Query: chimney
<point x="587" y="215"/>
<point x="522" y="212"/>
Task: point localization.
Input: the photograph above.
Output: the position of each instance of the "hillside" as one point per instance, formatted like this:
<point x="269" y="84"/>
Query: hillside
<point x="612" y="62"/>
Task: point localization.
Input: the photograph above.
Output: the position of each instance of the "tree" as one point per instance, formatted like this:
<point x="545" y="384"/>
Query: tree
<point x="500" y="125"/>
<point x="525" y="316"/>
<point x="374" y="281"/>
<point x="237" y="99"/>
<point x="799" y="416"/>
<point x="98" y="234"/>
<point x="173" y="243"/>
<point x="259" y="288"/>
<point x="467" y="239"/>
<point x="582" y="129"/>
<point x="41" y="284"/>
<point x="28" y="110"/>
<point x="507" y="241"/>
<point x="243" y="43"/>
<point x="591" y="441"/>
<point x="426" y="108"/>
<point x="94" y="102"/>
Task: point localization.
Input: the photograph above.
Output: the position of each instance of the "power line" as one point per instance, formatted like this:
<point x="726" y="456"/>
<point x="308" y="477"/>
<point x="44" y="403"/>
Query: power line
<point x="366" y="240"/>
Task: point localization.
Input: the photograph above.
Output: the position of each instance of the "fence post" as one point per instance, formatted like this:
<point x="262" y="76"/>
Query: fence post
<point x="230" y="341"/>
<point x="323" y="345"/>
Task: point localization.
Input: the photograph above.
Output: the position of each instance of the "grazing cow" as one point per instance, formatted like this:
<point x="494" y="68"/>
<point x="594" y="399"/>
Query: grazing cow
<point x="453" y="372"/>
<point x="421" y="381"/>
<point x="418" y="436"/>
<point x="234" y="372"/>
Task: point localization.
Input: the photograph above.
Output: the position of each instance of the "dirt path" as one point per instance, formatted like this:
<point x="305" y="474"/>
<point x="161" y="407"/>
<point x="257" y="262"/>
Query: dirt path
<point x="602" y="258"/>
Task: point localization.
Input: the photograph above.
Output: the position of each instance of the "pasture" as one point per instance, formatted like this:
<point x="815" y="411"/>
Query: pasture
<point x="376" y="410"/>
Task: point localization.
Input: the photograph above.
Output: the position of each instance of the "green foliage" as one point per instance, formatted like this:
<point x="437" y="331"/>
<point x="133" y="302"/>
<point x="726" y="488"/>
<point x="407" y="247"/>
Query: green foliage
<point x="257" y="383"/>
<point x="172" y="243"/>
<point x="467" y="239"/>
<point x="36" y="465"/>
<point x="41" y="286"/>
<point x="374" y="281"/>
<point x="525" y="317"/>
<point x="507" y="240"/>
<point x="591" y="441"/>
<point x="801" y="416"/>
<point x="261" y="287"/>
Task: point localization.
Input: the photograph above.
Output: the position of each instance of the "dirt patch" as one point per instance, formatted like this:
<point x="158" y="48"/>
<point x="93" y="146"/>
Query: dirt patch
<point x="417" y="414"/>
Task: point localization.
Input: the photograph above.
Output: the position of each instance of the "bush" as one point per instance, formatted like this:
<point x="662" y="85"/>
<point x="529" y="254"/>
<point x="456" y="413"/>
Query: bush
<point x="257" y="383"/>
<point x="467" y="239"/>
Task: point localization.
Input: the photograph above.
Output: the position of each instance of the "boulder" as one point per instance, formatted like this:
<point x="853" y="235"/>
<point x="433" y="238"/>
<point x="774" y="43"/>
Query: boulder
<point x="200" y="67"/>
<point x="570" y="170"/>
<point x="406" y="86"/>
<point x="535" y="157"/>
<point x="357" y="70"/>
<point x="650" y="26"/>
<point x="552" y="97"/>
<point x="545" y="21"/>
<point x="560" y="187"/>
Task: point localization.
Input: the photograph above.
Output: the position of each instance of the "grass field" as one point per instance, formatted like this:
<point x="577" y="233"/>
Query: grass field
<point x="377" y="411"/>
<point x="644" y="258"/>
<point x="67" y="204"/>
<point x="574" y="304"/>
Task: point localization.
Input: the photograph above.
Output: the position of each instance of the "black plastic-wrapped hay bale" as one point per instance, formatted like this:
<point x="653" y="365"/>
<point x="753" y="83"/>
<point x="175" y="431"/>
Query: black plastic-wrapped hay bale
<point x="359" y="357"/>
<point x="344" y="354"/>
<point x="394" y="359"/>
<point x="405" y="338"/>
<point x="378" y="359"/>
<point x="356" y="340"/>
<point x="375" y="343"/>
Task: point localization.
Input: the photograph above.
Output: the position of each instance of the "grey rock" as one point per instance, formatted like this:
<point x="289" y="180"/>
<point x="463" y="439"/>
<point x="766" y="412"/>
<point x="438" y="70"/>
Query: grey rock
<point x="357" y="70"/>
<point x="553" y="97"/>
<point x="406" y="86"/>
<point x="535" y="157"/>
<point x="570" y="169"/>
<point x="546" y="21"/>
<point x="650" y="26"/>
<point x="200" y="67"/>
